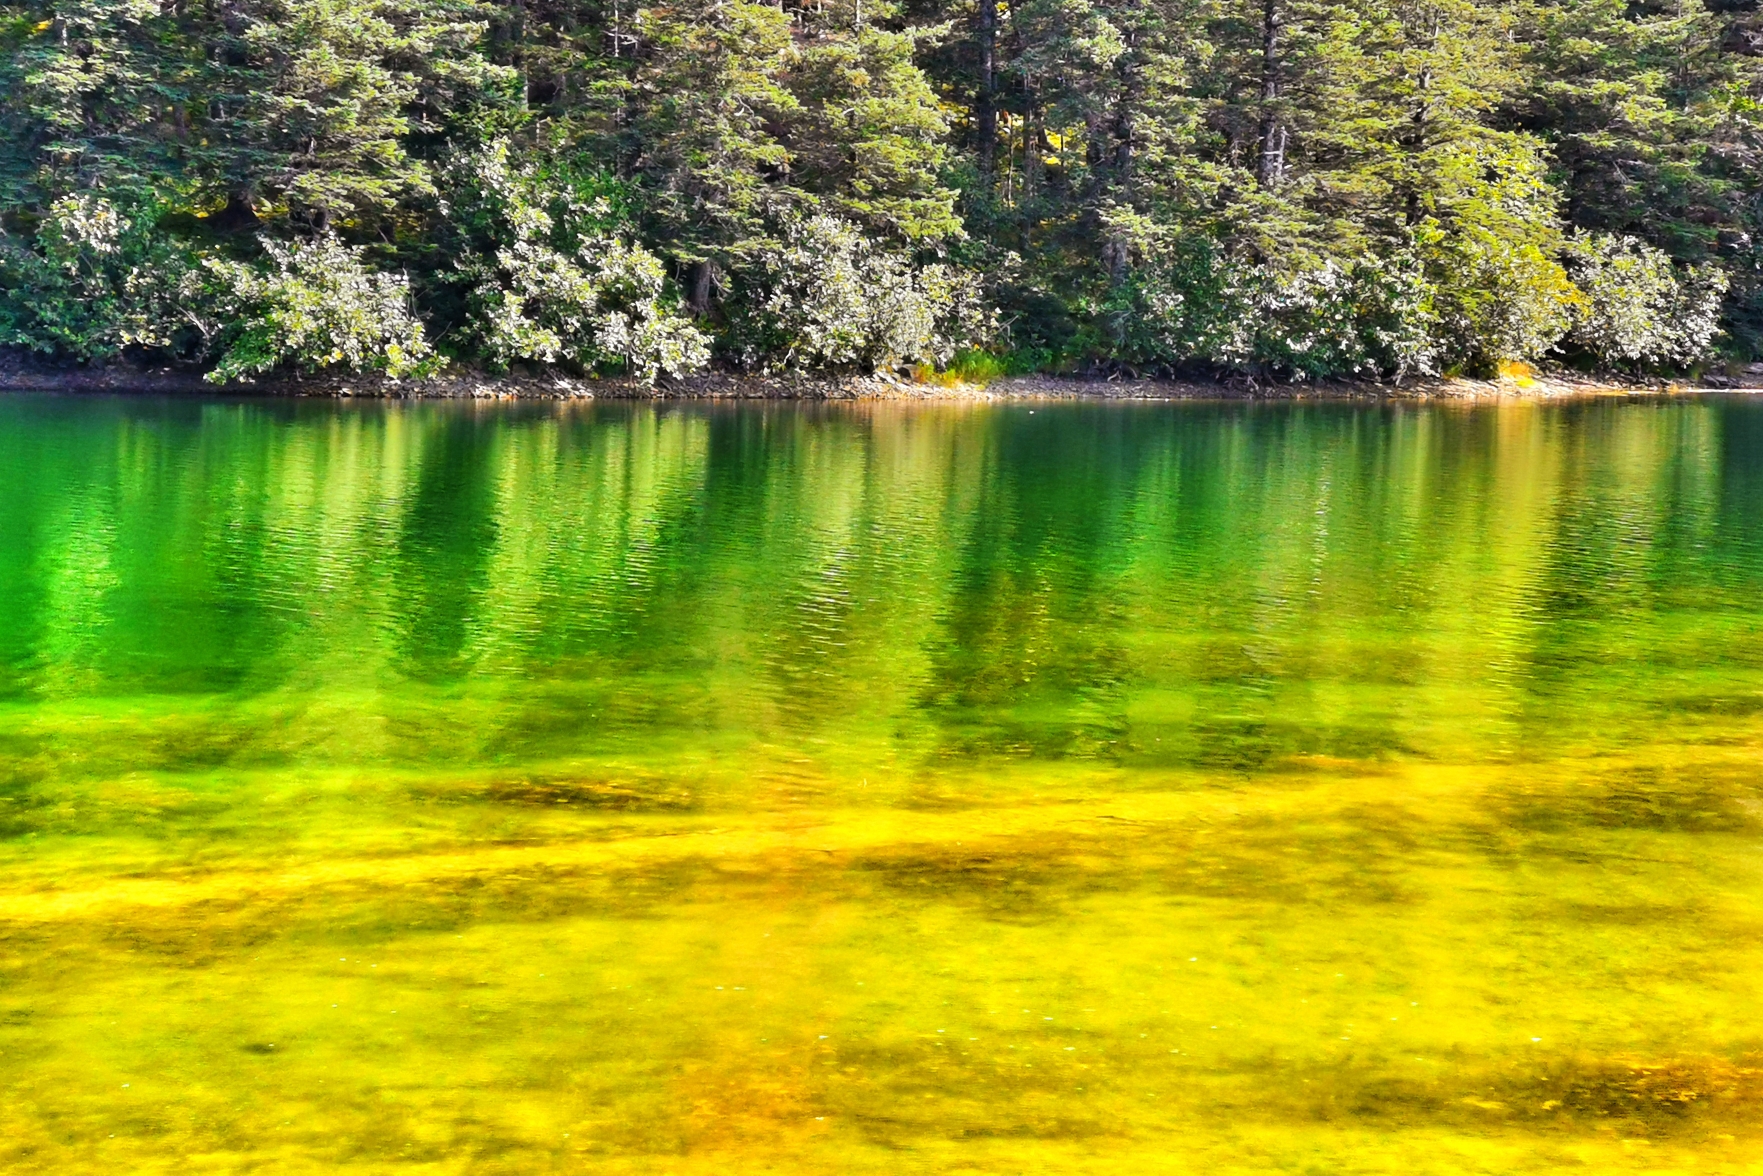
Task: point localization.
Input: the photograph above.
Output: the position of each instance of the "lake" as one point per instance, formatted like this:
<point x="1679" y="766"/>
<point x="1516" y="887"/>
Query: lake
<point x="1057" y="788"/>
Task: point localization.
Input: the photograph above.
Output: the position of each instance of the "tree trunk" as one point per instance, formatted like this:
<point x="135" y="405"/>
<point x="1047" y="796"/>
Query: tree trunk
<point x="1271" y="166"/>
<point x="1124" y="123"/>
<point x="1116" y="254"/>
<point x="1412" y="208"/>
<point x="238" y="215"/>
<point x="702" y="281"/>
<point x="1414" y="137"/>
<point x="985" y="101"/>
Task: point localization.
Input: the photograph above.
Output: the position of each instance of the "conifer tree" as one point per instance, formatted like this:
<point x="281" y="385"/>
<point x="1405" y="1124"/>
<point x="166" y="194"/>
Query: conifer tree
<point x="1289" y="187"/>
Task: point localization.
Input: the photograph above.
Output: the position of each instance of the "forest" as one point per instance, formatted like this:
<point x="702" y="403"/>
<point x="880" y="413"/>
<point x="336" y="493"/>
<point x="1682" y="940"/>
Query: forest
<point x="1295" y="189"/>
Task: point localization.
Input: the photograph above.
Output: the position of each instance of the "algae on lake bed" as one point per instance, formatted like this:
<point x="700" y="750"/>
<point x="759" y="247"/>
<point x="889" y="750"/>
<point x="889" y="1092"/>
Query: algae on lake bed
<point x="1230" y="788"/>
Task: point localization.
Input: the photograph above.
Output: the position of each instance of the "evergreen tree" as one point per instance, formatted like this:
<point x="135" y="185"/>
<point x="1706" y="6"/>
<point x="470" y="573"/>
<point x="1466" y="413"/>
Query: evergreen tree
<point x="1291" y="187"/>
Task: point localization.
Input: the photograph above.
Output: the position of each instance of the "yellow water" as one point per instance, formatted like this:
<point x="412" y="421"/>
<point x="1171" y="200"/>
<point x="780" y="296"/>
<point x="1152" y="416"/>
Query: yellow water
<point x="1213" y="789"/>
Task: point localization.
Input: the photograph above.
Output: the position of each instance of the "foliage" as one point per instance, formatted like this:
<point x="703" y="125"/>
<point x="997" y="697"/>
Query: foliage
<point x="1291" y="188"/>
<point x="1497" y="300"/>
<point x="99" y="277"/>
<point x="871" y="139"/>
<point x="971" y="365"/>
<point x="1637" y="311"/>
<point x="1363" y="318"/>
<point x="830" y="297"/>
<point x="1489" y="235"/>
<point x="315" y="305"/>
<point x="551" y="285"/>
<point x="1187" y="304"/>
<point x="711" y="98"/>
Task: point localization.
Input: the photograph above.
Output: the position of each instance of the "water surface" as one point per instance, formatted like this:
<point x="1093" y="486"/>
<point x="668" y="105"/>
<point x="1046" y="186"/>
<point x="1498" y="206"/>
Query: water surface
<point x="1077" y="789"/>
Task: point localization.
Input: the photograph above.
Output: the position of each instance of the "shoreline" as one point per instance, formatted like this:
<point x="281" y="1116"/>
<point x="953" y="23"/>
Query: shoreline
<point x="459" y="384"/>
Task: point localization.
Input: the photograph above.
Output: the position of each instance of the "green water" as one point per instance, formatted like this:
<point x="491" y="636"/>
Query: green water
<point x="1083" y="789"/>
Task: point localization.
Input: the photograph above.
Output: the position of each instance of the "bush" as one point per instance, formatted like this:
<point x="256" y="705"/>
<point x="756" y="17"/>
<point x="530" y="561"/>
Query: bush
<point x="1187" y="304"/>
<point x="1637" y="311"/>
<point x="1182" y="302"/>
<point x="1361" y="318"/>
<point x="973" y="366"/>
<point x="100" y="278"/>
<point x="552" y="284"/>
<point x="315" y="305"/>
<point x="828" y="297"/>
<point x="1496" y="299"/>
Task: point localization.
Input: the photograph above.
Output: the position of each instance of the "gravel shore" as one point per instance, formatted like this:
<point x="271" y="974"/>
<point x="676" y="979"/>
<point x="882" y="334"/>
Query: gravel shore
<point x="20" y="374"/>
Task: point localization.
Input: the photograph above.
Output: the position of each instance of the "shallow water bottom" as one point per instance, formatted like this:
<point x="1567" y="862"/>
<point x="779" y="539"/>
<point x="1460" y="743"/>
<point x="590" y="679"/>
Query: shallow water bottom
<point x="1298" y="974"/>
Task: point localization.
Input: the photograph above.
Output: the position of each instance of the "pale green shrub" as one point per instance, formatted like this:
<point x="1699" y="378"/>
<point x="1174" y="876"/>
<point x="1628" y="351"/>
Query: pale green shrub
<point x="549" y="285"/>
<point x="99" y="278"/>
<point x="1369" y="317"/>
<point x="1187" y="304"/>
<point x="1496" y="299"/>
<point x="829" y="297"/>
<point x="1637" y="309"/>
<point x="315" y="305"/>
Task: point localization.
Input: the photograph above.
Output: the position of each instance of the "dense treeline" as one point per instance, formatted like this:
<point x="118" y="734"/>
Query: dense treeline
<point x="1294" y="187"/>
